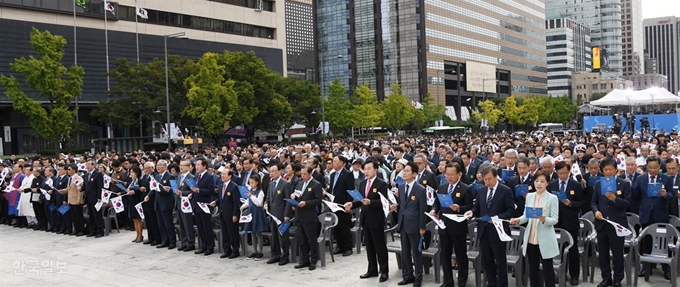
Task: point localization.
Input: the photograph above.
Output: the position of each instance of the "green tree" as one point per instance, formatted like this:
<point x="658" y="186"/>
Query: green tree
<point x="51" y="82"/>
<point x="562" y="109"/>
<point x="512" y="112"/>
<point x="398" y="110"/>
<point x="489" y="112"/>
<point x="366" y="112"/>
<point x="338" y="108"/>
<point x="433" y="112"/>
<point x="304" y="97"/>
<point x="530" y="109"/>
<point x="212" y="100"/>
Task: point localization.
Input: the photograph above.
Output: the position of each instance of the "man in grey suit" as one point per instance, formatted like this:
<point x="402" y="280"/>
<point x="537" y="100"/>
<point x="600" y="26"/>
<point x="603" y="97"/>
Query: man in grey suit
<point x="411" y="225"/>
<point x="185" y="220"/>
<point x="279" y="189"/>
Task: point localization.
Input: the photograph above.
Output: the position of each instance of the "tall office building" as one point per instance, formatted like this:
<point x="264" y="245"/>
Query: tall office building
<point x="568" y="52"/>
<point x="662" y="43"/>
<point x="603" y="17"/>
<point x="299" y="39"/>
<point x="632" y="32"/>
<point x="214" y="25"/>
<point x="459" y="51"/>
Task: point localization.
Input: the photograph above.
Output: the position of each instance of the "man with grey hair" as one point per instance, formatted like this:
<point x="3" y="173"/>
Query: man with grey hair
<point x="631" y="175"/>
<point x="591" y="176"/>
<point x="644" y="153"/>
<point x="425" y="177"/>
<point x="510" y="168"/>
<point x="548" y="165"/>
<point x="164" y="204"/>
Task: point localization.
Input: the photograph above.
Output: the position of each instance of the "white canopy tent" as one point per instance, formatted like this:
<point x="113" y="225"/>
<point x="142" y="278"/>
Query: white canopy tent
<point x="651" y="96"/>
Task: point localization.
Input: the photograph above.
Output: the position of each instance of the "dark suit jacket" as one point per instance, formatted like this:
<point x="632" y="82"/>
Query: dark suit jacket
<point x="653" y="209"/>
<point x="312" y="197"/>
<point x="165" y="200"/>
<point x="614" y="211"/>
<point x="372" y="215"/>
<point x="520" y="201"/>
<point x="275" y="198"/>
<point x="320" y="178"/>
<point x="229" y="201"/>
<point x="411" y="209"/>
<point x="502" y="205"/>
<point x="44" y="186"/>
<point x="500" y="171"/>
<point x="428" y="179"/>
<point x="344" y="182"/>
<point x="470" y="173"/>
<point x="60" y="183"/>
<point x="93" y="187"/>
<point x="461" y="195"/>
<point x="183" y="187"/>
<point x="588" y="192"/>
<point x="673" y="204"/>
<point x="568" y="218"/>
<point x="206" y="189"/>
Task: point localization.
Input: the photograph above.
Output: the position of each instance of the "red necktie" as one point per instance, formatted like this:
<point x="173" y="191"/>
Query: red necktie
<point x="368" y="188"/>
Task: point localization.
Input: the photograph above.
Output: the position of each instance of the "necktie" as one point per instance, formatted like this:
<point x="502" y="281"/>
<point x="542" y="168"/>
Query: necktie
<point x="224" y="188"/>
<point x="304" y="187"/>
<point x="489" y="198"/>
<point x="419" y="175"/>
<point x="408" y="192"/>
<point x="198" y="178"/>
<point x="335" y="178"/>
<point x="653" y="179"/>
<point x="562" y="187"/>
<point x="630" y="177"/>
<point x="521" y="180"/>
<point x="368" y="187"/>
<point x="450" y="188"/>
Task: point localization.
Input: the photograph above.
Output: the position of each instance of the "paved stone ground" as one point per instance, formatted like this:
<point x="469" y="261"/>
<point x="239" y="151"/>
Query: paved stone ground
<point x="32" y="258"/>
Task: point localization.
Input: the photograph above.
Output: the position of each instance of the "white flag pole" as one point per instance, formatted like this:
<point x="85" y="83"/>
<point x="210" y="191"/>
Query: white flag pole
<point x="136" y="30"/>
<point x="75" y="49"/>
<point x="106" y="41"/>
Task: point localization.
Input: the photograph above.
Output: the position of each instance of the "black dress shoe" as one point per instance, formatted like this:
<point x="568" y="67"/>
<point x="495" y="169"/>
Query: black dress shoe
<point x="347" y="253"/>
<point x="283" y="262"/>
<point x="80" y="234"/>
<point x="301" y="265"/>
<point x="162" y="245"/>
<point x="643" y="273"/>
<point x="147" y="242"/>
<point x="605" y="283"/>
<point x="574" y="281"/>
<point x="409" y="281"/>
<point x="667" y="275"/>
<point x="384" y="277"/>
<point x="59" y="232"/>
<point x="181" y="248"/>
<point x="199" y="251"/>
<point x="234" y="255"/>
<point x="337" y="251"/>
<point x="155" y="243"/>
<point x="224" y="255"/>
<point x="189" y="248"/>
<point x="208" y="252"/>
<point x="172" y="246"/>
<point x="99" y="236"/>
<point x="367" y="275"/>
<point x="273" y="260"/>
<point x="312" y="267"/>
<point x="89" y="235"/>
<point x="417" y="284"/>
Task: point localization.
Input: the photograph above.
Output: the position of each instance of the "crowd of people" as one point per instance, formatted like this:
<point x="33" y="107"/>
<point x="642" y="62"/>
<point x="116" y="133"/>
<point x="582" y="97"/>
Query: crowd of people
<point x="257" y="189"/>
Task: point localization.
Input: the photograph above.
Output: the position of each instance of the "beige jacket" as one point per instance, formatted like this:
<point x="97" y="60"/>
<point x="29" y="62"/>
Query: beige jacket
<point x="76" y="194"/>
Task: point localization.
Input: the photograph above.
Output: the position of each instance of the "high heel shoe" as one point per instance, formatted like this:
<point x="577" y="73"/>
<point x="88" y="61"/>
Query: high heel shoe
<point x="140" y="240"/>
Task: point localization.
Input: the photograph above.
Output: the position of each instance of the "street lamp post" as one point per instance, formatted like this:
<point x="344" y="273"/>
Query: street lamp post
<point x="323" y="102"/>
<point x="484" y="85"/>
<point x="181" y="35"/>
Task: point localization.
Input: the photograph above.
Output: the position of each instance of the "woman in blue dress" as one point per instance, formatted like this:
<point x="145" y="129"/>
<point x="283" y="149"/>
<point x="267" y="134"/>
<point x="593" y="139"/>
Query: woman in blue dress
<point x="135" y="197"/>
<point x="259" y="223"/>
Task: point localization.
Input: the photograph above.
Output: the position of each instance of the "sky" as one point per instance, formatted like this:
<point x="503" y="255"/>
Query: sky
<point x="660" y="8"/>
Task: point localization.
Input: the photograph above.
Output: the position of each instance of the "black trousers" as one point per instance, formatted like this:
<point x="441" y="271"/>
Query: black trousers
<point x="165" y="226"/>
<point x="4" y="206"/>
<point x="494" y="259"/>
<point x="152" y="230"/>
<point x="65" y="221"/>
<point x="376" y="248"/>
<point x="409" y="252"/>
<point x="96" y="224"/>
<point x="307" y="233"/>
<point x="76" y="212"/>
<point x="230" y="237"/>
<point x="204" y="226"/>
<point x="342" y="233"/>
<point x="608" y="240"/>
<point x="280" y="244"/>
<point x="50" y="218"/>
<point x="573" y="261"/>
<point x="449" y="244"/>
<point x="534" y="258"/>
<point x="39" y="210"/>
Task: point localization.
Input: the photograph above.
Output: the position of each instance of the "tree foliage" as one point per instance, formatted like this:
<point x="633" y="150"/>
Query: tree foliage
<point x="398" y="110"/>
<point x="304" y="97"/>
<point x="433" y="112"/>
<point x="511" y="112"/>
<point x="53" y="83"/>
<point x="366" y="112"/>
<point x="212" y="101"/>
<point x="489" y="112"/>
<point x="531" y="108"/>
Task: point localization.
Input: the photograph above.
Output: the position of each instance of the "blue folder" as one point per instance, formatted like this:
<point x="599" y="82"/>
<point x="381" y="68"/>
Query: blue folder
<point x="533" y="212"/>
<point x="399" y="180"/>
<point x="173" y="185"/>
<point x="244" y="191"/>
<point x="283" y="227"/>
<point x="653" y="189"/>
<point x="560" y="195"/>
<point x="521" y="190"/>
<point x="607" y="184"/>
<point x="445" y="200"/>
<point x="64" y="209"/>
<point x="593" y="180"/>
<point x="292" y="202"/>
<point x="356" y="195"/>
<point x="484" y="218"/>
<point x="506" y="175"/>
<point x="191" y="183"/>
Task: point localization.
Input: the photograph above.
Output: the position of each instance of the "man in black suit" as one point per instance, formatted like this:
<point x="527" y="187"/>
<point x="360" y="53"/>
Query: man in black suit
<point x="593" y="168"/>
<point x="470" y="168"/>
<point x="314" y="163"/>
<point x="672" y="171"/>
<point x="279" y="189"/>
<point x="424" y="177"/>
<point x="153" y="233"/>
<point x="229" y="201"/>
<point x="510" y="167"/>
<point x="165" y="201"/>
<point x="64" y="222"/>
<point x="411" y="225"/>
<point x="342" y="180"/>
<point x="307" y="220"/>
<point x="247" y="171"/>
<point x="631" y="175"/>
<point x="185" y="220"/>
<point x="93" y="194"/>
<point x="204" y="192"/>
<point x="548" y="166"/>
<point x="373" y="220"/>
<point x="523" y="177"/>
<point x="610" y="206"/>
<point x="453" y="237"/>
<point x="494" y="199"/>
<point x="48" y="184"/>
<point x="569" y="212"/>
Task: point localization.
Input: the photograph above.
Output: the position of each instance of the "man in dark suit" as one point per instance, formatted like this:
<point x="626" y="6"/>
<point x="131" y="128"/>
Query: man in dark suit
<point x="279" y="189"/>
<point x="204" y="192"/>
<point x="548" y="165"/>
<point x="610" y="206"/>
<point x="373" y="220"/>
<point x="494" y="199"/>
<point x="411" y="225"/>
<point x="569" y="212"/>
<point x="342" y="180"/>
<point x="93" y="194"/>
<point x="228" y="199"/>
<point x="307" y="220"/>
<point x="424" y="177"/>
<point x="314" y="163"/>
<point x="64" y="222"/>
<point x="522" y="177"/>
<point x="510" y="168"/>
<point x="153" y="233"/>
<point x="653" y="209"/>
<point x="185" y="220"/>
<point x="37" y="206"/>
<point x="672" y="171"/>
<point x="247" y="171"/>
<point x="631" y="175"/>
<point x="470" y="168"/>
<point x="165" y="201"/>
<point x="593" y="168"/>
<point x="453" y="237"/>
<point x="48" y="184"/>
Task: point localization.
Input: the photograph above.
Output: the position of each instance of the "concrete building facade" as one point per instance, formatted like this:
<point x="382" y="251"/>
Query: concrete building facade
<point x="568" y="51"/>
